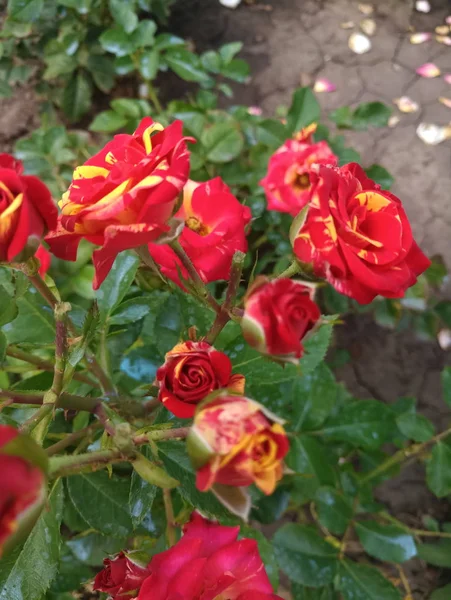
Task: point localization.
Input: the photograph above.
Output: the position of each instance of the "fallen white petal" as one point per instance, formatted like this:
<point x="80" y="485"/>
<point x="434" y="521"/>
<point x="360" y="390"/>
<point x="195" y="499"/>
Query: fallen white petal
<point x="448" y="20"/>
<point x="368" y="26"/>
<point x="393" y="121"/>
<point x="255" y="110"/>
<point x="420" y="38"/>
<point x="359" y="43"/>
<point x="447" y="78"/>
<point x="442" y="29"/>
<point x="230" y="3"/>
<point x="428" y="70"/>
<point x="324" y="85"/>
<point x="347" y="25"/>
<point x="443" y="39"/>
<point x="406" y="104"/>
<point x="444" y="339"/>
<point x="445" y="101"/>
<point x="423" y="6"/>
<point x="366" y="9"/>
<point x="433" y="134"/>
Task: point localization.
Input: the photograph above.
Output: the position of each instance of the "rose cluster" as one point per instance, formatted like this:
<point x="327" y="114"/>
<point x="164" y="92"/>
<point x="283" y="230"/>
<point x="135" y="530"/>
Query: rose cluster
<point x="208" y="562"/>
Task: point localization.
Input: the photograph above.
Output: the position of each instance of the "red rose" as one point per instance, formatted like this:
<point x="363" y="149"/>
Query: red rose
<point x="45" y="259"/>
<point x="277" y="316"/>
<point x="234" y="441"/>
<point x="215" y="224"/>
<point x="22" y="487"/>
<point x="208" y="562"/>
<point x="123" y="196"/>
<point x="121" y="577"/>
<point x="193" y="370"/>
<point x="357" y="236"/>
<point x="287" y="182"/>
<point x="27" y="211"/>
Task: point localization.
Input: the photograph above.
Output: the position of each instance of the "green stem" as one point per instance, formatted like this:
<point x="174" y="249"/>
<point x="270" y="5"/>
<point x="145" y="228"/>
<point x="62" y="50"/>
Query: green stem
<point x="72" y="438"/>
<point x="170" y="519"/>
<point x="291" y="271"/>
<point x="153" y="97"/>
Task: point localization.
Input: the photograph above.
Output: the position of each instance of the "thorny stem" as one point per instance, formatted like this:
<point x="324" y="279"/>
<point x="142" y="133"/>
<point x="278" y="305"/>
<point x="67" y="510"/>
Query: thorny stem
<point x="199" y="285"/>
<point x="293" y="269"/>
<point x="170" y="520"/>
<point x="72" y="438"/>
<point x="223" y="316"/>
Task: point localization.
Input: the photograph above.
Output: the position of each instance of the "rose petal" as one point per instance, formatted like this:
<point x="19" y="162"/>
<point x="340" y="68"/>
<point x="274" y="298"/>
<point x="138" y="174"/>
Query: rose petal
<point x="347" y="25"/>
<point x="368" y="26"/>
<point x="255" y="110"/>
<point x="428" y="70"/>
<point x="324" y="85"/>
<point x="423" y="6"/>
<point x="443" y="39"/>
<point x="447" y="78"/>
<point x="366" y="9"/>
<point x="393" y="121"/>
<point x="444" y="339"/>
<point x="448" y="20"/>
<point x="420" y="38"/>
<point x="359" y="43"/>
<point x="432" y="134"/>
<point x="230" y="3"/>
<point x="442" y="29"/>
<point x="406" y="104"/>
<point x="445" y="101"/>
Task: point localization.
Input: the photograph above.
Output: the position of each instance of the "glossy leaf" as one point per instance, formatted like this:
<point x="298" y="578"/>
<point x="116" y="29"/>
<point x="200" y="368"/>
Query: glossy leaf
<point x="8" y="307"/>
<point x="222" y="141"/>
<point x="3" y="346"/>
<point x="380" y="176"/>
<point x="302" y="592"/>
<point x="186" y="65"/>
<point x="116" y="41"/>
<point x="415" y="427"/>
<point x="386" y="542"/>
<point x="314" y="396"/>
<point x="141" y="497"/>
<point x="438" y="470"/>
<point x="304" y="556"/>
<point x="371" y="114"/>
<point x="108" y="121"/>
<point x="107" y="508"/>
<point x="117" y="283"/>
<point x="123" y="13"/>
<point x="360" y="582"/>
<point x="446" y="384"/>
<point x="29" y="571"/>
<point x="131" y="311"/>
<point x="34" y="323"/>
<point x="443" y="593"/>
<point x="77" y="97"/>
<point x="24" y="10"/>
<point x="334" y="509"/>
<point x="148" y="64"/>
<point x="91" y="548"/>
<point x="228" y="51"/>
<point x="438" y="554"/>
<point x="303" y="111"/>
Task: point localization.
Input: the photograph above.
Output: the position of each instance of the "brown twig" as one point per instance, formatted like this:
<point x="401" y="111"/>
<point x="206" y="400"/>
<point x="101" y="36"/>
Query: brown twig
<point x="72" y="438"/>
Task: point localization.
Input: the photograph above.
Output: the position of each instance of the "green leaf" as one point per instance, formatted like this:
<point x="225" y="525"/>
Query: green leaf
<point x="144" y="34"/>
<point x="167" y="40"/>
<point x="102" y="501"/>
<point x="386" y="542"/>
<point x="24" y="10"/>
<point x="58" y="64"/>
<point x="438" y="470"/>
<point x="380" y="176"/>
<point x="342" y="117"/>
<point x="116" y="41"/>
<point x="438" y="554"/>
<point x="303" y="111"/>
<point x="148" y="64"/>
<point x="211" y="61"/>
<point x="309" y="458"/>
<point x="34" y="323"/>
<point x="3" y="346"/>
<point x="237" y="70"/>
<point x="102" y="71"/>
<point x="107" y="122"/>
<point x="177" y="464"/>
<point x="140" y="500"/>
<point x="266" y="552"/>
<point x="446" y="384"/>
<point x="123" y="12"/>
<point x="222" y="142"/>
<point x="77" y="97"/>
<point x="71" y="573"/>
<point x="272" y="133"/>
<point x="117" y="283"/>
<point x="228" y="51"/>
<point x="365" y="423"/>
<point x="92" y="548"/>
<point x="186" y="65"/>
<point x="314" y="396"/>
<point x="131" y="311"/>
<point x="371" y="114"/>
<point x="6" y="90"/>
<point x="334" y="510"/>
<point x="28" y="577"/>
<point x="360" y="582"/>
<point x="414" y="426"/>
<point x="8" y="307"/>
<point x="126" y="107"/>
<point x="304" y="556"/>
<point x="443" y="593"/>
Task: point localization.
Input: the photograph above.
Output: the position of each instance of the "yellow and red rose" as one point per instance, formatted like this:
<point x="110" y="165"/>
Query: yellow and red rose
<point x="121" y="576"/>
<point x="277" y="315"/>
<point x="287" y="183"/>
<point x="192" y="371"/>
<point x="27" y="211"/>
<point x="234" y="441"/>
<point x="215" y="228"/>
<point x="123" y="196"/>
<point x="358" y="236"/>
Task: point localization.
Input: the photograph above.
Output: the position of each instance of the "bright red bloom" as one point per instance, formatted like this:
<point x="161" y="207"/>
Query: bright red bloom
<point x="287" y="183"/>
<point x="358" y="236"/>
<point x="208" y="562"/>
<point x="27" y="211"/>
<point x="193" y="370"/>
<point x="121" y="577"/>
<point x="215" y="225"/>
<point x="234" y="441"/>
<point x="22" y="486"/>
<point x="277" y="316"/>
<point x="45" y="258"/>
<point x="123" y="196"/>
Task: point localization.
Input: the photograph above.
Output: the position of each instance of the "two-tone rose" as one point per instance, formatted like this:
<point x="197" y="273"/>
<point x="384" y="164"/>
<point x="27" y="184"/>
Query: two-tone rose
<point x="121" y="577"/>
<point x="123" y="196"/>
<point x="357" y="236"/>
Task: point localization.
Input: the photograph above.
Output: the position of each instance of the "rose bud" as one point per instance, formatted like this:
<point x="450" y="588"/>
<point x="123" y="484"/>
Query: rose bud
<point x="215" y="228"/>
<point x="278" y="314"/>
<point x="358" y="236"/>
<point x="192" y="371"/>
<point x="121" y="577"/>
<point x="234" y="441"/>
<point x="27" y="211"/>
<point x="123" y="196"/>
<point x="23" y="486"/>
<point x="287" y="183"/>
<point x="208" y="562"/>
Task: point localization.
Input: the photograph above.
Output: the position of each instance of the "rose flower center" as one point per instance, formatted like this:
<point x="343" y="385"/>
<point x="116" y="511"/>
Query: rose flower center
<point x="301" y="182"/>
<point x="197" y="226"/>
